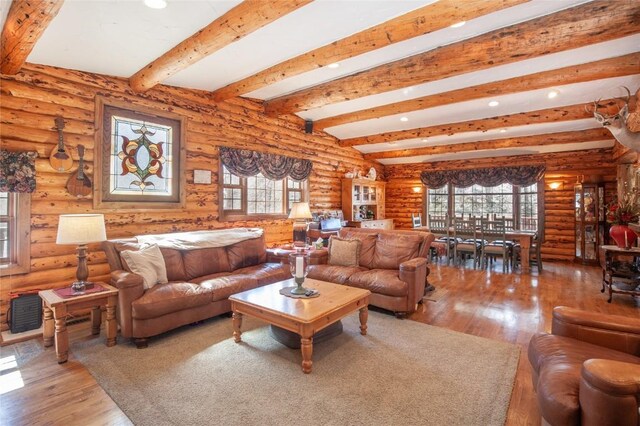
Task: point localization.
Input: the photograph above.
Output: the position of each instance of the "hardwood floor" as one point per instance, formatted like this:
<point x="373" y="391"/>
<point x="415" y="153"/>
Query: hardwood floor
<point x="506" y="307"/>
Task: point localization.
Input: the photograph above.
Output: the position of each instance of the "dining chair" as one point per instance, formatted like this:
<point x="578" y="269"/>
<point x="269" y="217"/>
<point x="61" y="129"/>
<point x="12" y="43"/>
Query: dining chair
<point x="467" y="247"/>
<point x="499" y="247"/>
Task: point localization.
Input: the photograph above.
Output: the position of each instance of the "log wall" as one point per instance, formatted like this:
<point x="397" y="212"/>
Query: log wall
<point x="32" y="99"/>
<point x="405" y="192"/>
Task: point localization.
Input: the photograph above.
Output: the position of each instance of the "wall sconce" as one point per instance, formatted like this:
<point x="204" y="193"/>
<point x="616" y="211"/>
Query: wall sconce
<point x="417" y="189"/>
<point x="556" y="185"/>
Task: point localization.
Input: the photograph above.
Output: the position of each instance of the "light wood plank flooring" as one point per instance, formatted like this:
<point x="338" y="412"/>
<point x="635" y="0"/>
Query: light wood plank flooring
<point x="490" y="304"/>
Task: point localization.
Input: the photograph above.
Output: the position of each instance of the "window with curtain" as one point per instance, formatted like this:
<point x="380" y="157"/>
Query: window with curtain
<point x="258" y="196"/>
<point x="511" y="201"/>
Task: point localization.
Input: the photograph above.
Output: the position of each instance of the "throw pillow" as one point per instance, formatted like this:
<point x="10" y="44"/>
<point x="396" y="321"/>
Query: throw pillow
<point x="344" y="252"/>
<point x="147" y="262"/>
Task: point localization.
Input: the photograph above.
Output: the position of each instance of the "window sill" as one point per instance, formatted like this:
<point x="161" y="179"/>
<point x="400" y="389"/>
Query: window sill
<point x="253" y="217"/>
<point x="14" y="269"/>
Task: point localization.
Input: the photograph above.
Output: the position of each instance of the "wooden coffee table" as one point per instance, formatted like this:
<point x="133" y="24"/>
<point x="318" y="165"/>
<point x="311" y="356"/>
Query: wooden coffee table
<point x="303" y="316"/>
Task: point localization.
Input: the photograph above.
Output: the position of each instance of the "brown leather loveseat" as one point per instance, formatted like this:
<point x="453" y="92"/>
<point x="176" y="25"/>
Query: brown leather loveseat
<point x="587" y="372"/>
<point x="199" y="284"/>
<point x="392" y="265"/>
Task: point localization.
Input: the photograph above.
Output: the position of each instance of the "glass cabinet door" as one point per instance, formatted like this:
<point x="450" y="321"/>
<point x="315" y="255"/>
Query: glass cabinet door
<point x="578" y="205"/>
<point x="589" y="204"/>
<point x="578" y="239"/>
<point x="366" y="192"/>
<point x="590" y="242"/>
<point x="357" y="190"/>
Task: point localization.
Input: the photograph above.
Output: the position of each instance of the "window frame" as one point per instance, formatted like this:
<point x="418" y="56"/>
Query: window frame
<point x="19" y="219"/>
<point x="516" y="193"/>
<point x="241" y="215"/>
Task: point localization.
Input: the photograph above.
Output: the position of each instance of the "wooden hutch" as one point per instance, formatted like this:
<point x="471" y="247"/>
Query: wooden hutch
<point x="363" y="203"/>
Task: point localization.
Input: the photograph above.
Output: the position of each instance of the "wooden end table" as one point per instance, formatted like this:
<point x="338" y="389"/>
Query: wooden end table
<point x="56" y="309"/>
<point x="302" y="316"/>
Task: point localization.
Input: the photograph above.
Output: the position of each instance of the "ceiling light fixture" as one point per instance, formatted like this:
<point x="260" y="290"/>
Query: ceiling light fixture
<point x="494" y="103"/>
<point x="392" y="142"/>
<point x="552" y="94"/>
<point x="424" y="140"/>
<point x="156" y="4"/>
<point x="503" y="130"/>
<point x="458" y="24"/>
<point x="404" y="119"/>
<point x="333" y="65"/>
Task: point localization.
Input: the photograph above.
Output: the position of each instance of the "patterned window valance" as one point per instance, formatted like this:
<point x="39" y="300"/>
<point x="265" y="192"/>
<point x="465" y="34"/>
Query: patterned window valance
<point x="245" y="163"/>
<point x="521" y="175"/>
<point x="17" y="171"/>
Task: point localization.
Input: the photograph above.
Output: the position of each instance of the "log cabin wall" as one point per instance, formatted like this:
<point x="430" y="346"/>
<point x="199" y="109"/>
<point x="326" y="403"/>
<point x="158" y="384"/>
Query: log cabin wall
<point x="405" y="192"/>
<point x="34" y="97"/>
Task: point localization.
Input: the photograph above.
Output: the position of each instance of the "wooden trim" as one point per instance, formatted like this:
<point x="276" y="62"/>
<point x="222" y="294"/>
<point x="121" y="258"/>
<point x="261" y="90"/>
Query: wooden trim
<point x="21" y="264"/>
<point x="418" y="22"/>
<point x="607" y="68"/>
<point x="237" y="23"/>
<point x="571" y="28"/>
<point x="565" y="113"/>
<point x="25" y="24"/>
<point x="536" y="140"/>
<point x="99" y="184"/>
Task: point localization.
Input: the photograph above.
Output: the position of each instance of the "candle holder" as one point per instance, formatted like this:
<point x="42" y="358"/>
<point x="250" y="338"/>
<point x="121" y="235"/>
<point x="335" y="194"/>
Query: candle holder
<point x="298" y="264"/>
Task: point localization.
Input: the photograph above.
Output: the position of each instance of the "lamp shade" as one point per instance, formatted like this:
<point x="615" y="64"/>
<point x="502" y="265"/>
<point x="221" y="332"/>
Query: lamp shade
<point x="300" y="211"/>
<point x="81" y="229"/>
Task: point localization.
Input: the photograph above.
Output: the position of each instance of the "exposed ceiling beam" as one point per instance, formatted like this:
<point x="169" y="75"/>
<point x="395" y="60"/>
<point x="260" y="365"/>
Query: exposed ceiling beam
<point x="25" y="23"/>
<point x="537" y="140"/>
<point x="564" y="113"/>
<point x="413" y="24"/>
<point x="572" y="28"/>
<point x="245" y="18"/>
<point x="607" y="68"/>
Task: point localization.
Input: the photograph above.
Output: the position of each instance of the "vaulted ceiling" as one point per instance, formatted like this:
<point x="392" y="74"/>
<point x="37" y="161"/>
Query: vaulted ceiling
<point x="400" y="81"/>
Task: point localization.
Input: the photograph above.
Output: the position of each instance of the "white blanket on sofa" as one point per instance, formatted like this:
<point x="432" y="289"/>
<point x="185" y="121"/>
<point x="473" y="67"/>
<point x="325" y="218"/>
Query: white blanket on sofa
<point x="201" y="239"/>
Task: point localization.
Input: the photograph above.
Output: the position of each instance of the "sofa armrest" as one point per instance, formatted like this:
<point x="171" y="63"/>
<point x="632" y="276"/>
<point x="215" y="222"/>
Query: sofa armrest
<point x="414" y="273"/>
<point x="319" y="257"/>
<point x="608" y="392"/>
<point x="130" y="287"/>
<point x="612" y="331"/>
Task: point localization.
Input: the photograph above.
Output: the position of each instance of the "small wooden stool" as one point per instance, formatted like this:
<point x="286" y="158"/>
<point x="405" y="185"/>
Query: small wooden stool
<point x="56" y="309"/>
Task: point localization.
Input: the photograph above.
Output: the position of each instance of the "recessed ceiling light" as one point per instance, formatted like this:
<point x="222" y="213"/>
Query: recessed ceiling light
<point x="494" y="103"/>
<point x="424" y="140"/>
<point x="392" y="142"/>
<point x="503" y="130"/>
<point x="404" y="118"/>
<point x="552" y="94"/>
<point x="156" y="4"/>
<point x="458" y="24"/>
<point x="333" y="65"/>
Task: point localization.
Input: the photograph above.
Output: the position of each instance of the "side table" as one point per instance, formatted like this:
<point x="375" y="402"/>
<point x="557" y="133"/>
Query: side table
<point x="56" y="309"/>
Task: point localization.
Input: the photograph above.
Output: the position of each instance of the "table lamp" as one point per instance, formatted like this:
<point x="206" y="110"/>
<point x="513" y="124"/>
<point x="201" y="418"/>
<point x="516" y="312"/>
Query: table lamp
<point x="81" y="229"/>
<point x="300" y="212"/>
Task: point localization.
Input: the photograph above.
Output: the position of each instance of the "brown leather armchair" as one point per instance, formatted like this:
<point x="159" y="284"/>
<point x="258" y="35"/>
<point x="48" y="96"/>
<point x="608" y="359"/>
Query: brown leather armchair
<point x="587" y="371"/>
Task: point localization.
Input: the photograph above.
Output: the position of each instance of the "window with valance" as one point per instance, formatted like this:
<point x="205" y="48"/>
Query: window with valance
<point x="17" y="182"/>
<point x="513" y="192"/>
<point x="260" y="185"/>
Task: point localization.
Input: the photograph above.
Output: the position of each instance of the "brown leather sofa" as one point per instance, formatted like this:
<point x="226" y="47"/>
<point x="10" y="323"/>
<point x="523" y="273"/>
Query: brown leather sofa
<point x="587" y="371"/>
<point x="200" y="282"/>
<point x="393" y="266"/>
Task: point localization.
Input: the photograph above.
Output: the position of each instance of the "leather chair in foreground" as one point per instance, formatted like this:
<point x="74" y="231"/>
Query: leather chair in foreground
<point x="587" y="371"/>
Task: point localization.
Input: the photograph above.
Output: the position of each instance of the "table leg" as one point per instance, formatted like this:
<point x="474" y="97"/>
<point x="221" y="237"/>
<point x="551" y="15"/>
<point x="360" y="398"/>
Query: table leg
<point x="306" y="347"/>
<point x="364" y="315"/>
<point x="96" y="320"/>
<point x="237" y="325"/>
<point x="49" y="327"/>
<point x="525" y="247"/>
<point x="61" y="335"/>
<point x="111" y="325"/>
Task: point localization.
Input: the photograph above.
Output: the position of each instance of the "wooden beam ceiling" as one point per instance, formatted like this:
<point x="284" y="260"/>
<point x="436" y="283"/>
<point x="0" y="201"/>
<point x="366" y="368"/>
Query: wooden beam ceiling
<point x="524" y="141"/>
<point x="572" y="28"/>
<point x="564" y="113"/>
<point x="607" y="68"/>
<point x="413" y="24"/>
<point x="240" y="21"/>
<point x="25" y="23"/>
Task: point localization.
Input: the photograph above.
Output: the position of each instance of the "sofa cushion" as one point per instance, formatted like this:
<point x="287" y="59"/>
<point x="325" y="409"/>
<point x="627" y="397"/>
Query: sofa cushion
<point x="394" y="248"/>
<point x="205" y="261"/>
<point x="267" y="273"/>
<point x="332" y="274"/>
<point x="367" y="240"/>
<point x="167" y="298"/>
<point x="381" y="281"/>
<point x="174" y="264"/>
<point x="247" y="253"/>
<point x="558" y="360"/>
<point x="344" y="252"/>
<point x="148" y="263"/>
<point x="223" y="287"/>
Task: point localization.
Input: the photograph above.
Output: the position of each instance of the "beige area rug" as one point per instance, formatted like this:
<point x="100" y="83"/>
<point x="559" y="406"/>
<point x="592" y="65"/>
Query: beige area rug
<point x="403" y="372"/>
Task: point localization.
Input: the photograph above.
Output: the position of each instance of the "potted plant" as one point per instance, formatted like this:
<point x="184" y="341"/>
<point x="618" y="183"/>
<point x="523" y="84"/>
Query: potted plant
<point x="620" y="213"/>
